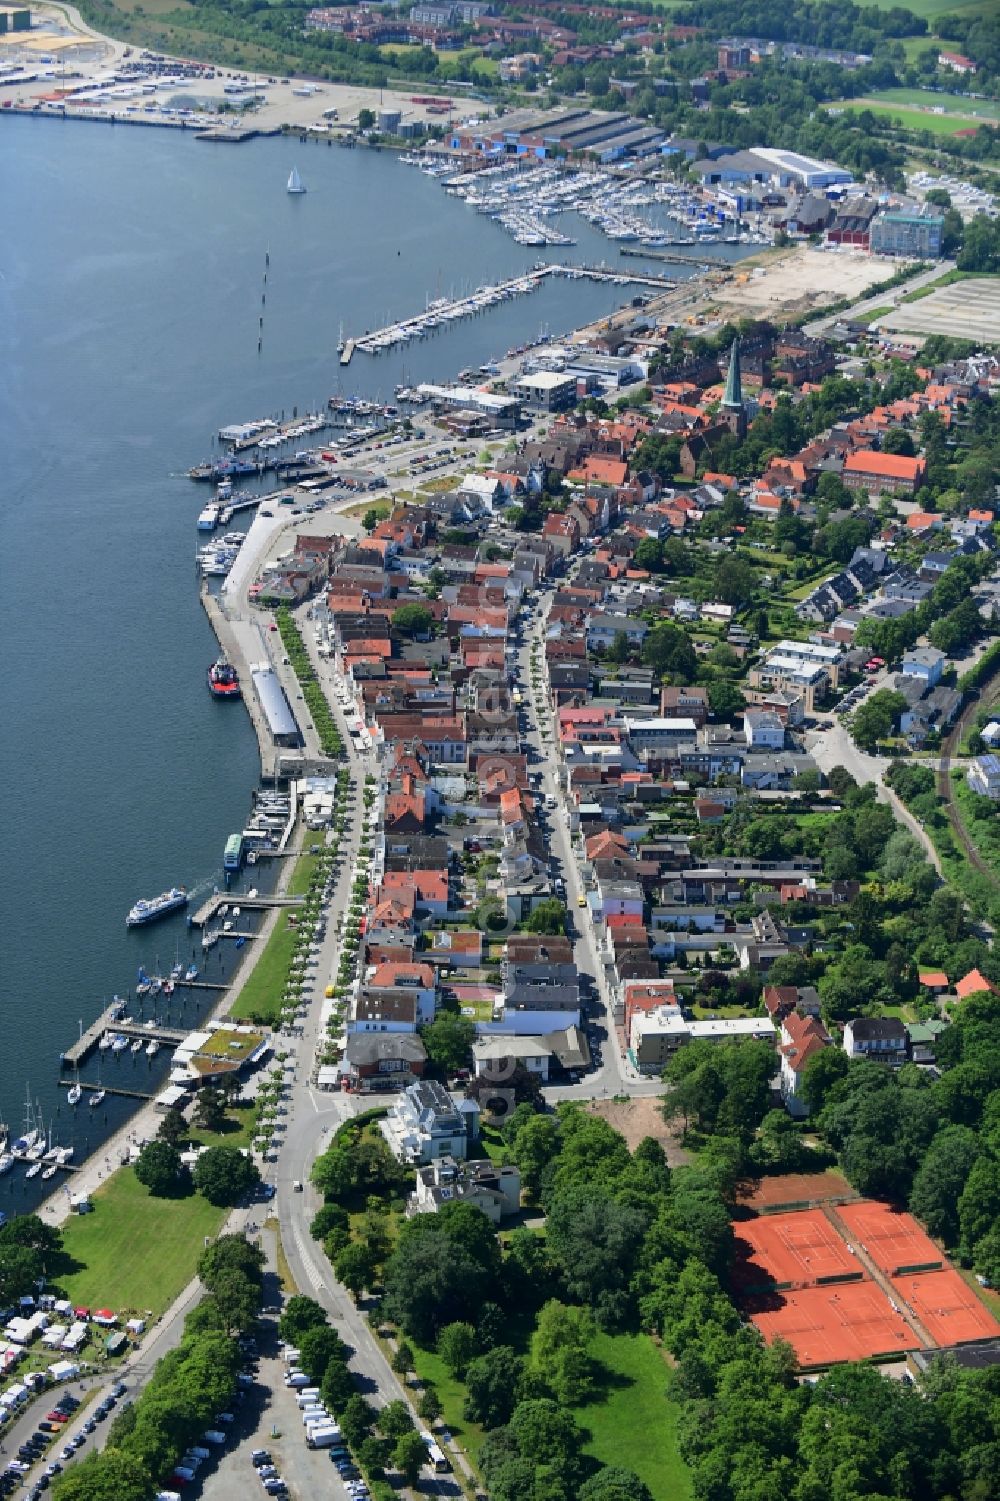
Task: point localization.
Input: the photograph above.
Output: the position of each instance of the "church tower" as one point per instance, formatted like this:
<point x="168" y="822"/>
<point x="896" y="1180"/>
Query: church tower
<point x="732" y="411"/>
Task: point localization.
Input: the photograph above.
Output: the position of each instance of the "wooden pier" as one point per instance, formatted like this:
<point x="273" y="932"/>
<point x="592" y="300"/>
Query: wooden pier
<point x="125" y="1094"/>
<point x="220" y="899"/>
<point x="85" y="1044"/>
<point x="209" y="940"/>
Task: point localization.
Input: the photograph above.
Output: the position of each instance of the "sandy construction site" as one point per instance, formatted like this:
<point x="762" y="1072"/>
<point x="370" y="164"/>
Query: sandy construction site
<point x="800" y="278"/>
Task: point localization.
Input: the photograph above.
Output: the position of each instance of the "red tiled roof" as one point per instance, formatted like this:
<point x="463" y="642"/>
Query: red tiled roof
<point x="883" y="465"/>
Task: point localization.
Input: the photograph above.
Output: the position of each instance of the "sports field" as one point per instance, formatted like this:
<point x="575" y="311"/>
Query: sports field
<point x="951" y="104"/>
<point x="825" y="1325"/>
<point x="791" y="1250"/>
<point x="948" y="1309"/>
<point x="912" y="118"/>
<point x="893" y="1240"/>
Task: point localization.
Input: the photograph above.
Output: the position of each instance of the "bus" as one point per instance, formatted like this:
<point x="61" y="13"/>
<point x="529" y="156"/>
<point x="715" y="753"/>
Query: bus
<point x="435" y="1455"/>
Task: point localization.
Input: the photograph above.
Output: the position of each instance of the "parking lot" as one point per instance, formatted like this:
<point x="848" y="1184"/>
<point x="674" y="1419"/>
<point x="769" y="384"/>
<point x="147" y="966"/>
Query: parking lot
<point x="270" y="1419"/>
<point x="67" y="1428"/>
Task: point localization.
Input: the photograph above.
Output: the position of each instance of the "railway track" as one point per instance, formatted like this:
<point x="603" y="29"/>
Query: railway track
<point x="988" y="696"/>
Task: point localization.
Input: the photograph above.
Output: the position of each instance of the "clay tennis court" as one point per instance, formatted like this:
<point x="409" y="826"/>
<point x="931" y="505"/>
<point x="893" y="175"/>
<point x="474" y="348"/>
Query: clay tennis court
<point x="796" y="1191"/>
<point x="824" y="1325"/>
<point x="893" y="1240"/>
<point x="948" y="1309"/>
<point x="791" y="1250"/>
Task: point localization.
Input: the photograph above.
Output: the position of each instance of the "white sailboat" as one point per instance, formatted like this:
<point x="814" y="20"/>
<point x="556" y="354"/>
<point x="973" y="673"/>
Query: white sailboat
<point x="75" y="1091"/>
<point x="97" y="1098"/>
<point x="295" y="184"/>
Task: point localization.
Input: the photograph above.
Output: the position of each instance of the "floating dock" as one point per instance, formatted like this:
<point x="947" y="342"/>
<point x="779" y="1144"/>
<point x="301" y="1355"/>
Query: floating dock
<point x="347" y="354"/>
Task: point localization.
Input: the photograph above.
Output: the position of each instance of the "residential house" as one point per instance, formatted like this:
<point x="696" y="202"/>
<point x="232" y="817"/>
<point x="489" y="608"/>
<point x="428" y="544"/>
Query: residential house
<point x="763" y="730"/>
<point x="426" y="1123"/>
<point x="972" y="984"/>
<point x="881" y="1038"/>
<point x="494" y="1190"/>
<point x="802" y="1037"/>
<point x="925" y="663"/>
<point x="377" y="1061"/>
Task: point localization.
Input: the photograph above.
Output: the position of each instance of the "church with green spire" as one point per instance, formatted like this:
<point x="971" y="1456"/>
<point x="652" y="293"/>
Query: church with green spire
<point x="732" y="411"/>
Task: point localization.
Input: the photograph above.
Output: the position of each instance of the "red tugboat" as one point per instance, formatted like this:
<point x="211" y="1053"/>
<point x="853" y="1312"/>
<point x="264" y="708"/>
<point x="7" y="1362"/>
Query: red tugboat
<point x="223" y="680"/>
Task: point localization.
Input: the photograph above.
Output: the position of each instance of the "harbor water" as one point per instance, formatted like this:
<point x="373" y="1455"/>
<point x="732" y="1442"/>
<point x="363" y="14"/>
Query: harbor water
<point x="131" y="298"/>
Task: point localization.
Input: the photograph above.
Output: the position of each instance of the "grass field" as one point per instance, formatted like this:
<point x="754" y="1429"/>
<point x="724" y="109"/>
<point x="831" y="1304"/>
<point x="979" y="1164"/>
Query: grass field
<point x="915" y="119"/>
<point x="952" y="104"/>
<point x="630" y="1422"/>
<point x="298" y="883"/>
<point x="633" y="1424"/>
<point x="135" y="1252"/>
<point x="929" y="10"/>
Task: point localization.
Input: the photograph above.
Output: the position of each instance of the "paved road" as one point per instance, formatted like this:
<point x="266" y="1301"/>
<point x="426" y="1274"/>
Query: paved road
<point x="615" y="1075"/>
<point x="885" y="299"/>
<point x="835" y="747"/>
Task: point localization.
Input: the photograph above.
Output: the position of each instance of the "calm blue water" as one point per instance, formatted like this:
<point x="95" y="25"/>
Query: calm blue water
<point x="131" y="264"/>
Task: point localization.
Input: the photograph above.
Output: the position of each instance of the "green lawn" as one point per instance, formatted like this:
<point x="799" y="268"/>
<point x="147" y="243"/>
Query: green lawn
<point x="630" y="1422"/>
<point x="633" y="1424"/>
<point x="305" y="865"/>
<point x="238" y="1131"/>
<point x="135" y="1252"/>
<point x="261" y="996"/>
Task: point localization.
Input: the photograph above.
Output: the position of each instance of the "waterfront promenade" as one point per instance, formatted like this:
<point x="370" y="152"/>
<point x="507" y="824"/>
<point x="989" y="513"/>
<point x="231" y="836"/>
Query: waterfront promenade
<point x="235" y="626"/>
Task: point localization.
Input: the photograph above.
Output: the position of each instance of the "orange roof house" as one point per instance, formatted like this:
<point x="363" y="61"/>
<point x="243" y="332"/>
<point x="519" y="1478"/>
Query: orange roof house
<point x="933" y="979"/>
<point x="922" y="521"/>
<point x="598" y="470"/>
<point x="972" y="983"/>
<point x="606" y="845"/>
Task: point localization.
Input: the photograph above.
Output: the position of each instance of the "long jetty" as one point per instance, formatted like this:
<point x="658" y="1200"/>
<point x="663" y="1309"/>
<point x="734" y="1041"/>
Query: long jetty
<point x="676" y="259"/>
<point x="447" y="311"/>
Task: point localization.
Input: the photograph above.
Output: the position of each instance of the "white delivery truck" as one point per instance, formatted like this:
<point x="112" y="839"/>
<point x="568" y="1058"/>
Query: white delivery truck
<point x="323" y="1438"/>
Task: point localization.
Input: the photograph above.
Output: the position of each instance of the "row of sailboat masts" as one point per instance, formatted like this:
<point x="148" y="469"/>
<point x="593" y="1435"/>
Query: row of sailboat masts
<point x="35" y="1145"/>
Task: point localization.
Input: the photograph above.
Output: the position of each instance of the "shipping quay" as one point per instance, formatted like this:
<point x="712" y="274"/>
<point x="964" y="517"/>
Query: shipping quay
<point x="444" y="311"/>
